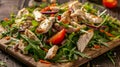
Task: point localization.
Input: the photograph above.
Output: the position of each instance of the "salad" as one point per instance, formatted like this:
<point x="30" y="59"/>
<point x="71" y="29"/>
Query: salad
<point x="59" y="33"/>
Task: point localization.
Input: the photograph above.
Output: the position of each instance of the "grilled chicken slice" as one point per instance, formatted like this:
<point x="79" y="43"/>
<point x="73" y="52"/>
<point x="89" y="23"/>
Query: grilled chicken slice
<point x="31" y="35"/>
<point x="84" y="40"/>
<point x="73" y="6"/>
<point x="26" y="25"/>
<point x="66" y="14"/>
<point x="45" y="25"/>
<point x="38" y="15"/>
<point x="78" y="12"/>
<point x="86" y="16"/>
<point x="51" y="52"/>
<point x="65" y="20"/>
<point x="65" y="17"/>
<point x="20" y="16"/>
<point x="22" y="13"/>
<point x="92" y="18"/>
<point x="21" y="46"/>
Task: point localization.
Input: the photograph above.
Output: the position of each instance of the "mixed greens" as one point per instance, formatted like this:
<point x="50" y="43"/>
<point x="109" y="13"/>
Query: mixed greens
<point x="59" y="33"/>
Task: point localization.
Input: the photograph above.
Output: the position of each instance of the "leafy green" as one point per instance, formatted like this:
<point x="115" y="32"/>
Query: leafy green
<point x="62" y="24"/>
<point x="8" y="22"/>
<point x="89" y="8"/>
<point x="33" y="47"/>
<point x="3" y="23"/>
<point x="34" y="24"/>
<point x="82" y="54"/>
<point x="98" y="39"/>
<point x="68" y="50"/>
<point x="10" y="31"/>
<point x="106" y="17"/>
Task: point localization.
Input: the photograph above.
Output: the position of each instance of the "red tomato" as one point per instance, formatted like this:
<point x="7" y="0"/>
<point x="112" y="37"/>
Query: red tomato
<point x="59" y="17"/>
<point x="110" y="3"/>
<point x="57" y="38"/>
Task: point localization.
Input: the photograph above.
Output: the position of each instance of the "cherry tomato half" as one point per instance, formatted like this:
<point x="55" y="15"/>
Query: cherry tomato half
<point x="58" y="38"/>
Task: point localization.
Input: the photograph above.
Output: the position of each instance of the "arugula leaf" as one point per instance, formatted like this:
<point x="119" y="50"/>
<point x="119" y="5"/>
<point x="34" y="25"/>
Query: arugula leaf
<point x="82" y="54"/>
<point x="89" y="8"/>
<point x="68" y="50"/>
<point x="3" y="23"/>
<point x="62" y="24"/>
<point x="106" y="18"/>
<point x="103" y="43"/>
<point x="34" y="23"/>
<point x="38" y="53"/>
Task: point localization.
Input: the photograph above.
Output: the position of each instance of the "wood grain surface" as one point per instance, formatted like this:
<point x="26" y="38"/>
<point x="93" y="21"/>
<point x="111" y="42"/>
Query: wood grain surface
<point x="8" y="6"/>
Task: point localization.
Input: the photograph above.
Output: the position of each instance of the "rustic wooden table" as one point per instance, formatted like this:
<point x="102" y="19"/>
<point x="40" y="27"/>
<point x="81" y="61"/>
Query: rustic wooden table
<point x="8" y="6"/>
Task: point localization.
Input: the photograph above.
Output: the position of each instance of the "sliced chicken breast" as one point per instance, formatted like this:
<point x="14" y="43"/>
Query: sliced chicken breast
<point x="45" y="25"/>
<point x="30" y="35"/>
<point x="51" y="52"/>
<point x="74" y="5"/>
<point x="38" y="15"/>
<point x="22" y="13"/>
<point x="84" y="40"/>
<point x="86" y="16"/>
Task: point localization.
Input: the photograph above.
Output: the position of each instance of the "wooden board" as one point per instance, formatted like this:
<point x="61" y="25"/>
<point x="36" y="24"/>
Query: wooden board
<point x="29" y="61"/>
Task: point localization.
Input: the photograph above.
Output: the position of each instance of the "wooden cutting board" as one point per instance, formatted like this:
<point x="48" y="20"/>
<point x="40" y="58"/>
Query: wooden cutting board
<point x="31" y="63"/>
